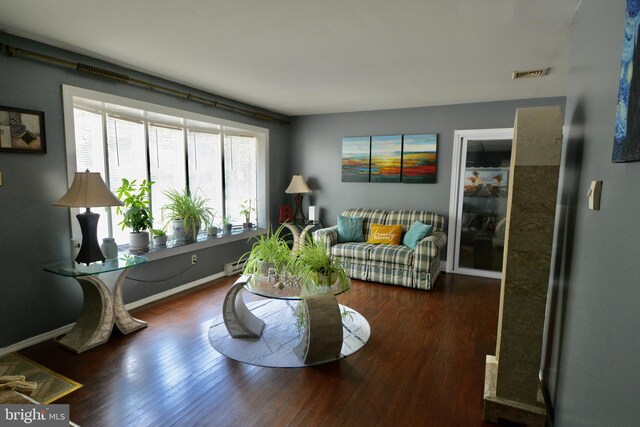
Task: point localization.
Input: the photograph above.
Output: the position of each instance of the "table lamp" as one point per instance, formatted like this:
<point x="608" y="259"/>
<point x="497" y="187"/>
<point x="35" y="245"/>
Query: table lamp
<point x="298" y="187"/>
<point x="88" y="190"/>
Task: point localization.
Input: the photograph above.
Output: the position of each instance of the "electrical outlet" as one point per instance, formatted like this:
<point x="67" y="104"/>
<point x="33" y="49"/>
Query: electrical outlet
<point x="194" y="259"/>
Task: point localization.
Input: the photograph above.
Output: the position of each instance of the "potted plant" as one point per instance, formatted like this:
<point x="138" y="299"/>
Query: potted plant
<point x="246" y="209"/>
<point x="186" y="212"/>
<point x="159" y="237"/>
<point x="269" y="251"/>
<point x="226" y="224"/>
<point x="317" y="268"/>
<point x="212" y="226"/>
<point x="136" y="212"/>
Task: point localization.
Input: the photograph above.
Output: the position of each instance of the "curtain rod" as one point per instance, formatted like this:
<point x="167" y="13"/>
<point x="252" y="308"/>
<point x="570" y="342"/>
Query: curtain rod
<point x="123" y="78"/>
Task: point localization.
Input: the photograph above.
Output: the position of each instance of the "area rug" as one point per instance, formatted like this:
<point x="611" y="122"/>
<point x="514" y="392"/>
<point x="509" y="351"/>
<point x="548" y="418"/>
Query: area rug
<point x="51" y="385"/>
<point x="280" y="335"/>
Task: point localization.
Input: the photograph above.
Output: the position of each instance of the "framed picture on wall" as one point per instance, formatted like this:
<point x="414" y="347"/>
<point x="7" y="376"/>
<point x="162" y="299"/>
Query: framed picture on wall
<point x="626" y="140"/>
<point x="22" y="131"/>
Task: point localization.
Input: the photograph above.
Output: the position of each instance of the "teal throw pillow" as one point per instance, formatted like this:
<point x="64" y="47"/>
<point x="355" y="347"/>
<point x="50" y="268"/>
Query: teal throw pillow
<point x="417" y="232"/>
<point x="350" y="229"/>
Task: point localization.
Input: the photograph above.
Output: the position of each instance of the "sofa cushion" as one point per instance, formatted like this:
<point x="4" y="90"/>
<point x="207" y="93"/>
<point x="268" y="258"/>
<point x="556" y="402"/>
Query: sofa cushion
<point x="416" y="232"/>
<point x="350" y="229"/>
<point x="389" y="234"/>
<point x="369" y="217"/>
<point x="392" y="254"/>
<point x="352" y="250"/>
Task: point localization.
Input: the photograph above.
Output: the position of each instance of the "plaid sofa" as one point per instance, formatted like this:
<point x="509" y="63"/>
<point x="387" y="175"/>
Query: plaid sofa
<point x="391" y="264"/>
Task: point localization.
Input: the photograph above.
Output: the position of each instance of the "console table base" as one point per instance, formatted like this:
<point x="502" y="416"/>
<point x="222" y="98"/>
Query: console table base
<point x="100" y="311"/>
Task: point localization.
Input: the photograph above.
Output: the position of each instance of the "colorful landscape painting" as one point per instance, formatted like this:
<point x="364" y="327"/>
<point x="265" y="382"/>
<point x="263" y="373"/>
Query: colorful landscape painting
<point x="626" y="140"/>
<point x="386" y="158"/>
<point x="356" y="155"/>
<point x="419" y="155"/>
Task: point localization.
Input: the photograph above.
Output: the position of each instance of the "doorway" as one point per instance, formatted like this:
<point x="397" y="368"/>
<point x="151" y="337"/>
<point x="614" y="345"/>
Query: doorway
<point x="478" y="206"/>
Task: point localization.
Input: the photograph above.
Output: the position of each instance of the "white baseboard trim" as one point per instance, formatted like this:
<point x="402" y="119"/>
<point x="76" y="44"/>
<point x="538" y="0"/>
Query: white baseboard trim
<point x="66" y="328"/>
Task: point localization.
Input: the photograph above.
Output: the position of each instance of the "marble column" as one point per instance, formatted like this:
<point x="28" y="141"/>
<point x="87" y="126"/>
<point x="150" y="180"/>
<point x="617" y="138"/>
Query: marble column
<point x="512" y="383"/>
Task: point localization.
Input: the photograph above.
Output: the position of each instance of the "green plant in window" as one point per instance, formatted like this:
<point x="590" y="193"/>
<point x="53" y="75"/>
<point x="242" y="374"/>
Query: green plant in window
<point x="192" y="209"/>
<point x="246" y="209"/>
<point x="137" y="209"/>
<point x="158" y="232"/>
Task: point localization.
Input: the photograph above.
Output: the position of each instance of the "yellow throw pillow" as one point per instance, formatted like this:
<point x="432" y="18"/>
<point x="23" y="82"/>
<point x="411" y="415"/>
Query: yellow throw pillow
<point x="389" y="234"/>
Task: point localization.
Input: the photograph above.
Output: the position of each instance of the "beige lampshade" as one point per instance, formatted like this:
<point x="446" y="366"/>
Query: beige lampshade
<point x="88" y="190"/>
<point x="297" y="186"/>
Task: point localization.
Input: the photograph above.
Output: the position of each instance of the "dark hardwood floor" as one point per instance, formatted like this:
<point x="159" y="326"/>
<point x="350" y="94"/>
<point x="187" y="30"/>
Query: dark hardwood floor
<point x="423" y="366"/>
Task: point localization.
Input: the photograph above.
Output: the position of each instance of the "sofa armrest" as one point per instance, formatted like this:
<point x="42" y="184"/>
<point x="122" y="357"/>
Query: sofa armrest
<point x="429" y="248"/>
<point x="329" y="235"/>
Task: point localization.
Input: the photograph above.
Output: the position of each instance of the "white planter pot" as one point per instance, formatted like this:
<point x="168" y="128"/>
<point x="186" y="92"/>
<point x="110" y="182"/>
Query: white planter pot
<point x="160" y="241"/>
<point x="179" y="232"/>
<point x="139" y="242"/>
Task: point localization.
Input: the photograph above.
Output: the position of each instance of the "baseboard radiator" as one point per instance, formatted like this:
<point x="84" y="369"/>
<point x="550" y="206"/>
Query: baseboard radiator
<point x="234" y="268"/>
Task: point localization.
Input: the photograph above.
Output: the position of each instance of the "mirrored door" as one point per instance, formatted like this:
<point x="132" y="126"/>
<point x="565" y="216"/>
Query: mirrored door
<point x="481" y="198"/>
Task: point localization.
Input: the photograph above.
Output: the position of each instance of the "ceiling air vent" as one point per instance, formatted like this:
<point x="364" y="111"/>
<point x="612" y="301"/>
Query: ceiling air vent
<point x="531" y="73"/>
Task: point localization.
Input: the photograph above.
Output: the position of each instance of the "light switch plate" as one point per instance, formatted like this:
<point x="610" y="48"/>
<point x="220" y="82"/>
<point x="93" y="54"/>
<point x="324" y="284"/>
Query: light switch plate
<point x="594" y="195"/>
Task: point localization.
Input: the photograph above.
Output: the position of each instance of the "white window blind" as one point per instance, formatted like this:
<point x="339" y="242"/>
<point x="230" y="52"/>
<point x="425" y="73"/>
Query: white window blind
<point x="90" y="154"/>
<point x="205" y="169"/>
<point x="127" y="159"/>
<point x="167" y="166"/>
<point x="239" y="174"/>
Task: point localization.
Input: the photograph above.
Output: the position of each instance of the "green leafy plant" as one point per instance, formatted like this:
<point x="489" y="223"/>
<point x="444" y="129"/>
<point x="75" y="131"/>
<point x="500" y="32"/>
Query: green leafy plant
<point x="136" y="210"/>
<point x="269" y="248"/>
<point x="158" y="232"/>
<point x="190" y="208"/>
<point x="226" y="220"/>
<point x="318" y="268"/>
<point x="246" y="209"/>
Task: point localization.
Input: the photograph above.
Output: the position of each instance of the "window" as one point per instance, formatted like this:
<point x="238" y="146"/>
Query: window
<point x="225" y="162"/>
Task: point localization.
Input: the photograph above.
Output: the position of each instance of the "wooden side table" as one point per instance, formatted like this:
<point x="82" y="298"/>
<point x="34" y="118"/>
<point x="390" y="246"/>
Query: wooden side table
<point x="101" y="306"/>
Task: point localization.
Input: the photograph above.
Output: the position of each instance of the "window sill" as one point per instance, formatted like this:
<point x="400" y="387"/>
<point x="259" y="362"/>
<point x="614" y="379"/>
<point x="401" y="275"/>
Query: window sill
<point x="173" y="248"/>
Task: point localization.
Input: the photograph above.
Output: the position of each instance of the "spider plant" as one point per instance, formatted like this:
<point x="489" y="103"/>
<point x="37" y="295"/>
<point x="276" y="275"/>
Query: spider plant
<point x="269" y="250"/>
<point x="318" y="268"/>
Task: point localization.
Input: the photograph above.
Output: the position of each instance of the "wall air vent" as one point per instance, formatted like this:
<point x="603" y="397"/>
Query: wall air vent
<point x="531" y="73"/>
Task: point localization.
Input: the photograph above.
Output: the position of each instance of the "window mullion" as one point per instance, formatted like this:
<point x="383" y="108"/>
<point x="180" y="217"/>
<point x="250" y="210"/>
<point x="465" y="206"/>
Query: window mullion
<point x="107" y="170"/>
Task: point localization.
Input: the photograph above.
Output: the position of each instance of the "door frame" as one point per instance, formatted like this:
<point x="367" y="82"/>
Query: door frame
<point x="460" y="137"/>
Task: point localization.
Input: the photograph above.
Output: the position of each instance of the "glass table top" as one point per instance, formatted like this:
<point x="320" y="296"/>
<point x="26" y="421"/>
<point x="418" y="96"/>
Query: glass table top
<point x="73" y="269"/>
<point x="263" y="287"/>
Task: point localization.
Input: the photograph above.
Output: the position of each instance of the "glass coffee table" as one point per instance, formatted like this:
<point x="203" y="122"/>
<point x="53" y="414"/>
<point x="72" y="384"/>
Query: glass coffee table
<point x="321" y="334"/>
<point x="102" y="306"/>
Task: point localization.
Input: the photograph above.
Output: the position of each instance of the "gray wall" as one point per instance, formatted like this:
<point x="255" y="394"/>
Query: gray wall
<point x="592" y="367"/>
<point x="34" y="233"/>
<point x="317" y="152"/>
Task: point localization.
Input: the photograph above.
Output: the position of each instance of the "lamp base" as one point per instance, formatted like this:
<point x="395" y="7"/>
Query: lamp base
<point x="90" y="250"/>
<point x="298" y="216"/>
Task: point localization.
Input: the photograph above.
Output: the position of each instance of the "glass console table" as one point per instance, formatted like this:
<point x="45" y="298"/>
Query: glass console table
<point x="322" y="338"/>
<point x="102" y="307"/>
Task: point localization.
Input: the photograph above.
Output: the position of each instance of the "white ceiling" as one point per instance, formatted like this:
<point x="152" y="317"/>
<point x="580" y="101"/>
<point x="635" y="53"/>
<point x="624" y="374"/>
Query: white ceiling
<point x="303" y="57"/>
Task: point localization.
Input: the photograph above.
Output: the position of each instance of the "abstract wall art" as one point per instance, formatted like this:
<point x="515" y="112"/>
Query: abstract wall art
<point x="626" y="142"/>
<point x="356" y="158"/>
<point x="419" y="155"/>
<point x="390" y="158"/>
<point x="386" y="158"/>
<point x="22" y="131"/>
